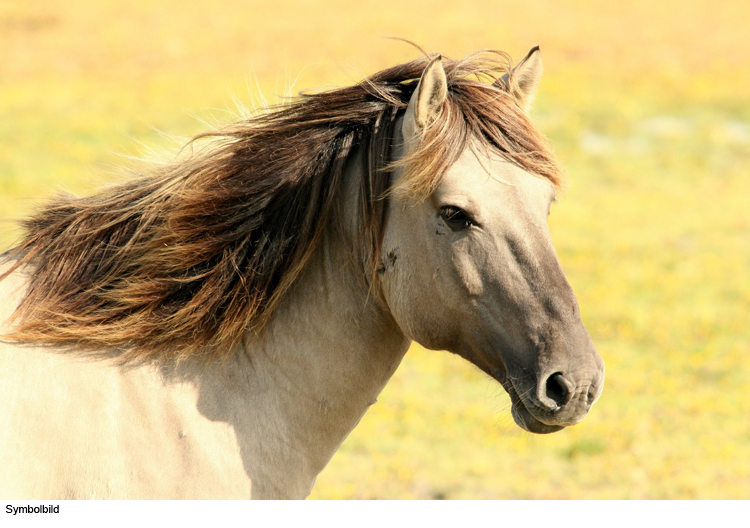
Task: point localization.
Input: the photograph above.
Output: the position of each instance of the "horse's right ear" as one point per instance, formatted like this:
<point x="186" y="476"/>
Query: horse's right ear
<point x="427" y="101"/>
<point x="526" y="75"/>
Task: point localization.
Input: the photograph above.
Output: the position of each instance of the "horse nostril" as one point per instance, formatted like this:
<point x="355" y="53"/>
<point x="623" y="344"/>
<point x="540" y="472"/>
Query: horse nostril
<point x="557" y="389"/>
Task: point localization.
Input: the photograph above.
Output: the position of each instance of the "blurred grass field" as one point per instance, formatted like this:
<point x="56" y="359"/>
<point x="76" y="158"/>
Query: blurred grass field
<point x="646" y="104"/>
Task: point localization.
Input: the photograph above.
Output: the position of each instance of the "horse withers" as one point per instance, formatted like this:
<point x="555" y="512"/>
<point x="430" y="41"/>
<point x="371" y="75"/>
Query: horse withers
<point x="216" y="326"/>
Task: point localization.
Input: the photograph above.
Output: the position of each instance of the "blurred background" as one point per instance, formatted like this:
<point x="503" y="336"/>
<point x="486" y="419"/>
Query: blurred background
<point x="647" y="105"/>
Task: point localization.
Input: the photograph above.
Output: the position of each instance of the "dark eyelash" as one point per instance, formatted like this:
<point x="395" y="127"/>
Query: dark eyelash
<point x="455" y="217"/>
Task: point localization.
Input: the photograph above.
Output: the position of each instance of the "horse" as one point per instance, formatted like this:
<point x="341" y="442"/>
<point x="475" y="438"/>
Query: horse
<point x="215" y="325"/>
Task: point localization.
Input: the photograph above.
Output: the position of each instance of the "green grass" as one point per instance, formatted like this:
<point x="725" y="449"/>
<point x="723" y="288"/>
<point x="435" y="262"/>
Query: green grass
<point x="646" y="104"/>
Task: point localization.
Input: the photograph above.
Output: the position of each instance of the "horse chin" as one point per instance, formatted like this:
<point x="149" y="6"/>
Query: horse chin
<point x="526" y="421"/>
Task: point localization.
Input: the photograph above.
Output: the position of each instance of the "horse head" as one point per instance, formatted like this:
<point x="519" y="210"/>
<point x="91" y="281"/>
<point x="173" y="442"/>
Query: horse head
<point x="471" y="268"/>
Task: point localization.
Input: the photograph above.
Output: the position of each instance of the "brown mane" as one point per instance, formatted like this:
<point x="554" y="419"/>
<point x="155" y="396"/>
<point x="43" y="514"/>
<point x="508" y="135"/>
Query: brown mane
<point x="192" y="258"/>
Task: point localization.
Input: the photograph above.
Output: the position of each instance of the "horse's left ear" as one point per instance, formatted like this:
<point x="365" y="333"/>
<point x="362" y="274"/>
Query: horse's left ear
<point x="427" y="101"/>
<point x="526" y="76"/>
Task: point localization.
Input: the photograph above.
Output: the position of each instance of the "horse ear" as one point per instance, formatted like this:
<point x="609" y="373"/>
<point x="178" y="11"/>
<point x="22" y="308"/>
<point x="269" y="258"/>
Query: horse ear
<point x="426" y="102"/>
<point x="526" y="74"/>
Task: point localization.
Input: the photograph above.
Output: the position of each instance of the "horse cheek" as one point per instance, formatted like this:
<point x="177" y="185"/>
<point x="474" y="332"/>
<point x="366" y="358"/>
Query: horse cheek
<point x="411" y="299"/>
<point x="467" y="273"/>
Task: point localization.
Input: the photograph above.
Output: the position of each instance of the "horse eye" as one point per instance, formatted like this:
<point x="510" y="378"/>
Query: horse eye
<point x="455" y="218"/>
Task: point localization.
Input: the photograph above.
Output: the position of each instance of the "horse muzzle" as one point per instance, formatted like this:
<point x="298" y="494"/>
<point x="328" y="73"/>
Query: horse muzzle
<point x="556" y="400"/>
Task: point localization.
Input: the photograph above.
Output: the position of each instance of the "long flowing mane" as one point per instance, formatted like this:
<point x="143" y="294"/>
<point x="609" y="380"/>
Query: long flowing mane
<point x="193" y="257"/>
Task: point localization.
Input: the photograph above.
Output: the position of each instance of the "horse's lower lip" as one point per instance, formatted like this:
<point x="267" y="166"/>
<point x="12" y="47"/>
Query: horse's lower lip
<point x="523" y="417"/>
<point x="525" y="420"/>
<point x="521" y="414"/>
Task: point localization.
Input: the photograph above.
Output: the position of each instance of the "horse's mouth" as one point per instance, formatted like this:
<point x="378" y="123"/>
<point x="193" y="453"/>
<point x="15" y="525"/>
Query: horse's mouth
<point x="522" y="416"/>
<point x="525" y="420"/>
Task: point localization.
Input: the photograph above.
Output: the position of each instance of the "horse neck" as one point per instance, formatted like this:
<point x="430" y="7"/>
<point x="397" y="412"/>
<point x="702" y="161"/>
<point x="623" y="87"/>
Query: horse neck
<point x="326" y="355"/>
